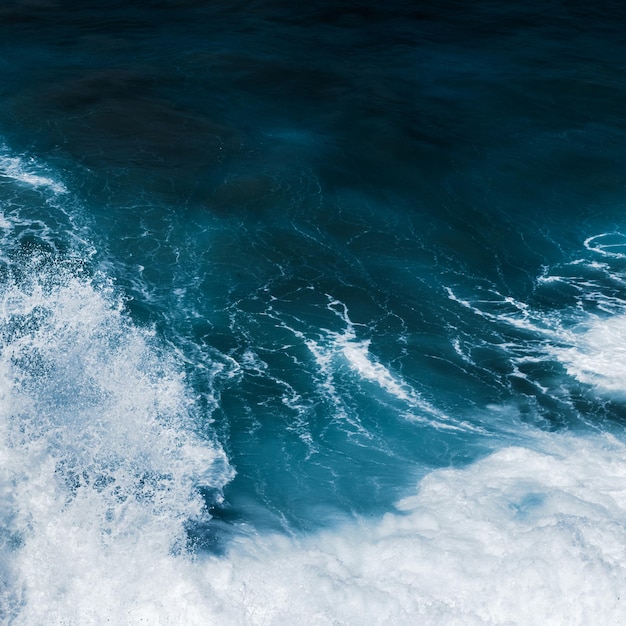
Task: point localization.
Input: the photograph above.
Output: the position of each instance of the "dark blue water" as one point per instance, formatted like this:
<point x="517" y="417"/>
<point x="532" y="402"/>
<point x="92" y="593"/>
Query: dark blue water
<point x="312" y="313"/>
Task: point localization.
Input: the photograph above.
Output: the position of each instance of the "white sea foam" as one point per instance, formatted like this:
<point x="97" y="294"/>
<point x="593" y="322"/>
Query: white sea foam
<point x="588" y="337"/>
<point x="608" y="244"/>
<point x="98" y="463"/>
<point x="524" y="536"/>
<point x="596" y="354"/>
<point x="28" y="171"/>
<point x="345" y="346"/>
<point x="521" y="537"/>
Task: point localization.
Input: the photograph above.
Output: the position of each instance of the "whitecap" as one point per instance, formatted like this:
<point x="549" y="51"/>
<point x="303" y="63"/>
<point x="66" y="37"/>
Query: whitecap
<point x="99" y="457"/>
<point x="29" y="172"/>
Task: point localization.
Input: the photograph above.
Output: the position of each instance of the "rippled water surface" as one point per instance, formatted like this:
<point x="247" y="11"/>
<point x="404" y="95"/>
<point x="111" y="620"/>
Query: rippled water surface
<point x="312" y="314"/>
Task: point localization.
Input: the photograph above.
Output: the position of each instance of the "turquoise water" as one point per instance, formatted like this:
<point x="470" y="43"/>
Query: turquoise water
<point x="312" y="313"/>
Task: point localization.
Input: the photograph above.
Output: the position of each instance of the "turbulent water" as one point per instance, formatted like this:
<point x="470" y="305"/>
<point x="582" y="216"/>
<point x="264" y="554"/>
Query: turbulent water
<point x="312" y="313"/>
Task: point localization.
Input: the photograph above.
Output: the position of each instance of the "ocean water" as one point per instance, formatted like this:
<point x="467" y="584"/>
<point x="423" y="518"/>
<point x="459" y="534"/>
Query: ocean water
<point x="312" y="313"/>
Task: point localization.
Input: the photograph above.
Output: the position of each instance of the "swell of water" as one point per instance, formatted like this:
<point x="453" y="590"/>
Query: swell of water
<point x="311" y="316"/>
<point x="104" y="474"/>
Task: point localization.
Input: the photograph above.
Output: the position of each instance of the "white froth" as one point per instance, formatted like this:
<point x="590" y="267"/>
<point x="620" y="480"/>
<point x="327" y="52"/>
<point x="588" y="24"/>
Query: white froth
<point x="597" y="355"/>
<point x="522" y="537"/>
<point x="366" y="366"/>
<point x="608" y="244"/>
<point x="98" y="461"/>
<point x="588" y="337"/>
<point x="336" y="347"/>
<point x="29" y="172"/>
<point x="4" y="222"/>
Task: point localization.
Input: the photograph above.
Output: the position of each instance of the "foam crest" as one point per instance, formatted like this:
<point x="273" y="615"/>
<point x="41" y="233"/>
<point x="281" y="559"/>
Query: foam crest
<point x="356" y="353"/>
<point x="28" y="171"/>
<point x="98" y="456"/>
<point x="510" y="539"/>
<point x="593" y="347"/>
<point x="586" y="333"/>
<point x="597" y="355"/>
<point x="608" y="245"/>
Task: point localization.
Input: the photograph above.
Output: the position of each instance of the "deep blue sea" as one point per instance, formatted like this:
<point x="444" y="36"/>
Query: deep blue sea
<point x="312" y="313"/>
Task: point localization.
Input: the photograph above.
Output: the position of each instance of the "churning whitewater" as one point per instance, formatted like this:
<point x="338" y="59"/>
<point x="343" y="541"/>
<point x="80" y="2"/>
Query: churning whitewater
<point x="312" y="315"/>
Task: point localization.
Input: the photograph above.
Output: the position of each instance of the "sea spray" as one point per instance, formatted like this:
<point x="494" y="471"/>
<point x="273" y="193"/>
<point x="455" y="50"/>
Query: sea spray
<point x="99" y="454"/>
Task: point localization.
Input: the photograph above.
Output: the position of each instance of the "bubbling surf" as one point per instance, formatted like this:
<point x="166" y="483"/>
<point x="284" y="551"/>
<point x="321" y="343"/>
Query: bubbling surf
<point x="103" y="467"/>
<point x="100" y="464"/>
<point x="513" y="536"/>
<point x="312" y="316"/>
